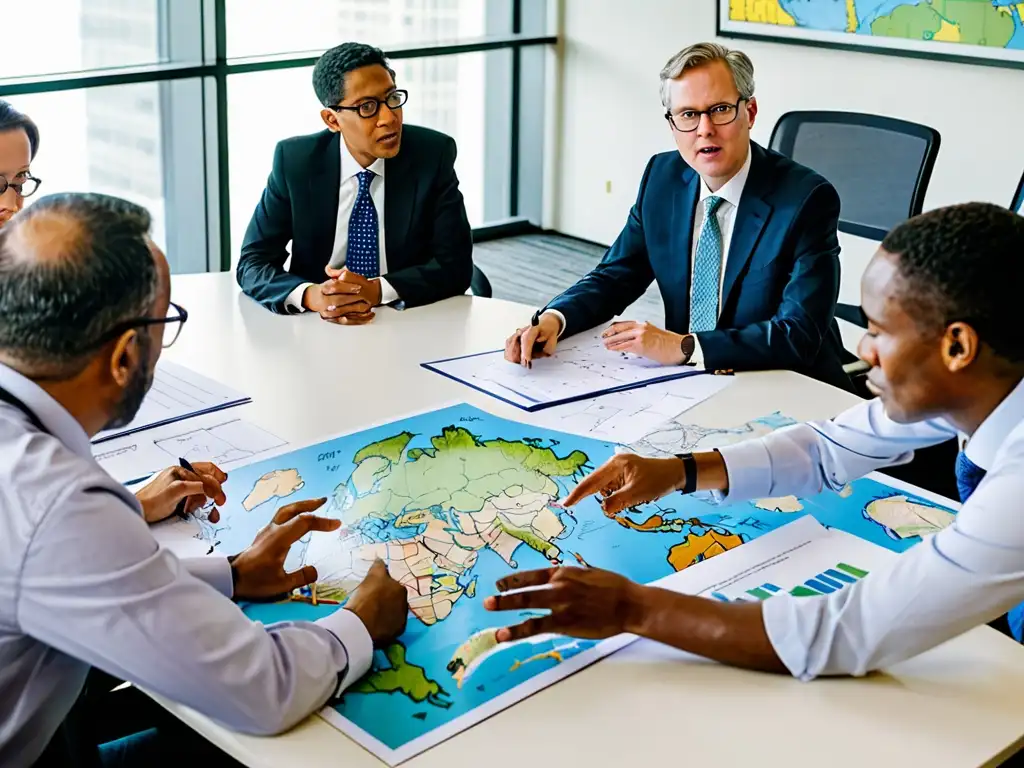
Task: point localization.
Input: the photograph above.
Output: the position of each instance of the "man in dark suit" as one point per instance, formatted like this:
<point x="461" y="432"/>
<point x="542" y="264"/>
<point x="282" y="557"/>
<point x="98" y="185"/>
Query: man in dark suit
<point x="370" y="205"/>
<point x="742" y="242"/>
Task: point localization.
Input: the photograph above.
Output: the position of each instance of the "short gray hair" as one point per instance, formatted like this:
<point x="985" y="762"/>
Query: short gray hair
<point x="698" y="55"/>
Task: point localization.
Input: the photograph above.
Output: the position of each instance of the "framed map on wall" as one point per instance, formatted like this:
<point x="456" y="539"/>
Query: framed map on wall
<point x="973" y="31"/>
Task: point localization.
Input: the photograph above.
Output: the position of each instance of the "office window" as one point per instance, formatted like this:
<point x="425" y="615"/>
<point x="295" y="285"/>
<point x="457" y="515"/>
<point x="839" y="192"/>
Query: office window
<point x="117" y="140"/>
<point x="447" y="93"/>
<point x="257" y="27"/>
<point x="73" y="35"/>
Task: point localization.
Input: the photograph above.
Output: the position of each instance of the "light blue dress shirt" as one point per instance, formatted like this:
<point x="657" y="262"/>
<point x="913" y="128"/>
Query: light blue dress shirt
<point x="83" y="583"/>
<point x="959" y="578"/>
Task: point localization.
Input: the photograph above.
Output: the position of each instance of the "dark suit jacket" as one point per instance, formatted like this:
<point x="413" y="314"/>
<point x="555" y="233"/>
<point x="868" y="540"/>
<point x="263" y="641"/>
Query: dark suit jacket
<point x="781" y="277"/>
<point x="427" y="237"/>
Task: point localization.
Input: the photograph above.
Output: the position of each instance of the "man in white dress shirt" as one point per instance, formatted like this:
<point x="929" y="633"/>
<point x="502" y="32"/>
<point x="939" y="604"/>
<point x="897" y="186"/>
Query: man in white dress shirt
<point x="947" y="353"/>
<point x="85" y="301"/>
<point x="372" y="208"/>
<point x="741" y="241"/>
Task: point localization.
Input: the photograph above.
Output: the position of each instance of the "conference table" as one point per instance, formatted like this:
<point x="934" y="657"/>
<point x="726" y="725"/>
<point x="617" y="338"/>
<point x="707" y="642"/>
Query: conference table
<point x="960" y="704"/>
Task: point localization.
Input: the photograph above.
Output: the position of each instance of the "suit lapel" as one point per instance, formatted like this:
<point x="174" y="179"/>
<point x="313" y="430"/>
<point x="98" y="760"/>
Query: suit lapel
<point x="751" y="217"/>
<point x="400" y="183"/>
<point x="324" y="181"/>
<point x="684" y="206"/>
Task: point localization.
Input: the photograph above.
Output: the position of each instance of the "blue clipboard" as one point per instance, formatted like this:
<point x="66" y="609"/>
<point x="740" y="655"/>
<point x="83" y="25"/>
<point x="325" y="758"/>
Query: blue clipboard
<point x="681" y="372"/>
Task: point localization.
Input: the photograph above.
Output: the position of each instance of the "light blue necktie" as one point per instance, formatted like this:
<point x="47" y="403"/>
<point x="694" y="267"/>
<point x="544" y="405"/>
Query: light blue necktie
<point x="968" y="476"/>
<point x="707" y="270"/>
<point x="362" y="255"/>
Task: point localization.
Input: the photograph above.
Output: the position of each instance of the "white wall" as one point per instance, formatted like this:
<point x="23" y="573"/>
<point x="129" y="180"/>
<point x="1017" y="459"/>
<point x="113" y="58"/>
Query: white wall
<point x="611" y="120"/>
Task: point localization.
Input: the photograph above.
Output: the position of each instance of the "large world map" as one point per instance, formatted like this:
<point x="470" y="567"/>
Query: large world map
<point x="454" y="499"/>
<point x="991" y="29"/>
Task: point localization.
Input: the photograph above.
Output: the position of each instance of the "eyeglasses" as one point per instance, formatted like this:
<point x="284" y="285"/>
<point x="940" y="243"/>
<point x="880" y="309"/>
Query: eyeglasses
<point x="176" y="317"/>
<point x="25" y="188"/>
<point x="371" y="107"/>
<point x="689" y="119"/>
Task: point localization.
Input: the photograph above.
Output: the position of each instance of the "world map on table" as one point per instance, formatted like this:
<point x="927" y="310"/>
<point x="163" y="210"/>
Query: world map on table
<point x="984" y="28"/>
<point x="455" y="499"/>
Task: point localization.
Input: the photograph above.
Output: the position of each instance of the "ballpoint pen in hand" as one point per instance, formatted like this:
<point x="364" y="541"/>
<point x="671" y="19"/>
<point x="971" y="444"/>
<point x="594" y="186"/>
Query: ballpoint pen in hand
<point x="180" y="509"/>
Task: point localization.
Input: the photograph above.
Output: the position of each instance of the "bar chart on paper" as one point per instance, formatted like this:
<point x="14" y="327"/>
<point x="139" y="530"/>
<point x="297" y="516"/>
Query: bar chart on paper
<point x="801" y="558"/>
<point x="828" y="581"/>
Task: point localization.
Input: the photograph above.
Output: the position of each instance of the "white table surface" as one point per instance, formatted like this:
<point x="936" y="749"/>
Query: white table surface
<point x="961" y="704"/>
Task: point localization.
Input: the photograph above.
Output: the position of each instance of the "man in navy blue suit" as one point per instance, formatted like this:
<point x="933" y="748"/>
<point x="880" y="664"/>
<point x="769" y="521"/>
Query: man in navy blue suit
<point x="741" y="240"/>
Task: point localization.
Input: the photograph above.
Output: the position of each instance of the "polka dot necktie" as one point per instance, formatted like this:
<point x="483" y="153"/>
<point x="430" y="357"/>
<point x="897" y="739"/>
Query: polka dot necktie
<point x="707" y="270"/>
<point x="362" y="255"/>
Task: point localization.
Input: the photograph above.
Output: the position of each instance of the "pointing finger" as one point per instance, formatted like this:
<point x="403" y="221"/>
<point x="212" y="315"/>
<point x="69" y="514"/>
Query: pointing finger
<point x="287" y="512"/>
<point x="519" y="601"/>
<point x="528" y="628"/>
<point x="526" y="579"/>
<point x="295" y="529"/>
<point x="300" y="578"/>
<point x="602" y="477"/>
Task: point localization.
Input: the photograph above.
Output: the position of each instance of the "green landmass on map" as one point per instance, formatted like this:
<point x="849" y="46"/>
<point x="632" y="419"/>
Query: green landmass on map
<point x="977" y="22"/>
<point x="402" y="677"/>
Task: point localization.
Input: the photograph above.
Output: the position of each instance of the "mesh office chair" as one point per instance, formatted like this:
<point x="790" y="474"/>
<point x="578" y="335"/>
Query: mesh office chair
<point x="880" y="167"/>
<point x="479" y="284"/>
<point x="1018" y="198"/>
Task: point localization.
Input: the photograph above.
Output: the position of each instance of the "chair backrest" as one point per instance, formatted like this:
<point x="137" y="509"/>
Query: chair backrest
<point x="1018" y="198"/>
<point x="880" y="166"/>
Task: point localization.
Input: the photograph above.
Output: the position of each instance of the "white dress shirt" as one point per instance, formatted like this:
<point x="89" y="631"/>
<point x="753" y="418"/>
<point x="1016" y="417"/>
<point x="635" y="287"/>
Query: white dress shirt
<point x="347" y="194"/>
<point x="83" y="583"/>
<point x="731" y="192"/>
<point x="959" y="578"/>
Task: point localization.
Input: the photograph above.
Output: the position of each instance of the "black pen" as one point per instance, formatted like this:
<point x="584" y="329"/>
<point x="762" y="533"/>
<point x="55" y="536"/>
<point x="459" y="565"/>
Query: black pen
<point x="180" y="509"/>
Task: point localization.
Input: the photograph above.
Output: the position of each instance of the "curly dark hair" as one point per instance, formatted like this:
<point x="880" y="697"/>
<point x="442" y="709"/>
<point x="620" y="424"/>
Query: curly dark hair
<point x="965" y="263"/>
<point x="331" y="68"/>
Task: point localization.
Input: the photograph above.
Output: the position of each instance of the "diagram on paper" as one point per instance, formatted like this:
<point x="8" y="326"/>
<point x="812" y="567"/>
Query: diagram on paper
<point x="624" y="417"/>
<point x="580" y="367"/>
<point x="214" y="437"/>
<point x="677" y="436"/>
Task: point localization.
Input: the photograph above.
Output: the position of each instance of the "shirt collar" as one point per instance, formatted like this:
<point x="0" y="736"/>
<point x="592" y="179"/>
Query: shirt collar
<point x="53" y="415"/>
<point x="732" y="190"/>
<point x="350" y="166"/>
<point x="983" y="445"/>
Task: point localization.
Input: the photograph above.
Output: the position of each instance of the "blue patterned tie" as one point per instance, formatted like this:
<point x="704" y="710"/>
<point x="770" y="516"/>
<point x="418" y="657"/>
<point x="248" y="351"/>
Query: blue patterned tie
<point x="707" y="270"/>
<point x="363" y="255"/>
<point x="968" y="476"/>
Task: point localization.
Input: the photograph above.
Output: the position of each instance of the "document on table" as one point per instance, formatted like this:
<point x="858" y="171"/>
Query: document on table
<point x="625" y="417"/>
<point x="220" y="437"/>
<point x="177" y="393"/>
<point x="580" y="368"/>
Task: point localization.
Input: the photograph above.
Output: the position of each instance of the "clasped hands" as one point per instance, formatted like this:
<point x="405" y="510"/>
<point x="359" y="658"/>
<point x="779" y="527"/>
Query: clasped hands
<point x="345" y="298"/>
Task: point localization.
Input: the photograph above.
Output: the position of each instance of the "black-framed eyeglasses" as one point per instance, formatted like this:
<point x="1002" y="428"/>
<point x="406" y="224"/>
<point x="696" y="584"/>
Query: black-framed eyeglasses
<point x="371" y="107"/>
<point x="25" y="188"/>
<point x="688" y="120"/>
<point x="175" y="320"/>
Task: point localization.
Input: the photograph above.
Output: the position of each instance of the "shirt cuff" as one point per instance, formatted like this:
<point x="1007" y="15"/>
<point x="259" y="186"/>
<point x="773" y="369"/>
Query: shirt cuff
<point x="294" y="300"/>
<point x="214" y="570"/>
<point x="387" y="293"/>
<point x="697" y="358"/>
<point x="749" y="468"/>
<point x="351" y="633"/>
<point x="561" y="319"/>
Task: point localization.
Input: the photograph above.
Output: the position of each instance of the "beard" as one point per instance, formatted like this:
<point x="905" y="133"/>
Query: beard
<point x="138" y="385"/>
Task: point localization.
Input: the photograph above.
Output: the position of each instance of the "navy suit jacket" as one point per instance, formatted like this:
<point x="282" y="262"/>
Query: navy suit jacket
<point x="427" y="238"/>
<point x="781" y="277"/>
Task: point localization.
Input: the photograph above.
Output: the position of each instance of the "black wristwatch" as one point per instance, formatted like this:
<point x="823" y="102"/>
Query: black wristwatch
<point x="687" y="346"/>
<point x="690" y="472"/>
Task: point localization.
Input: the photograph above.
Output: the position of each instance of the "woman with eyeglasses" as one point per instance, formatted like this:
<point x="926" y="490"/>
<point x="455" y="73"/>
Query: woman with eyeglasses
<point x="19" y="141"/>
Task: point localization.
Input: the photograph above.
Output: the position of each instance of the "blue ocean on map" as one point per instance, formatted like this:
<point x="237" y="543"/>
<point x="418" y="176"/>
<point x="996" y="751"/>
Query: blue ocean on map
<point x="457" y="498"/>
